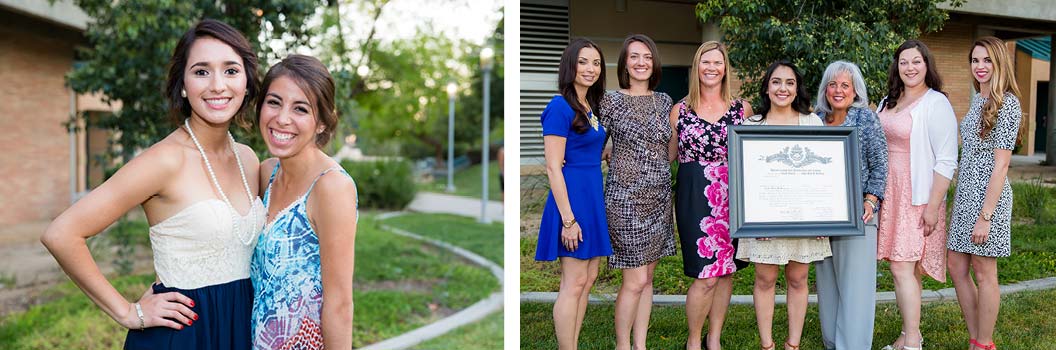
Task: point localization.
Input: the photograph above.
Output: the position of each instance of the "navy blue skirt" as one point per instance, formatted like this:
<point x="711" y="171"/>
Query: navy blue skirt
<point x="224" y="313"/>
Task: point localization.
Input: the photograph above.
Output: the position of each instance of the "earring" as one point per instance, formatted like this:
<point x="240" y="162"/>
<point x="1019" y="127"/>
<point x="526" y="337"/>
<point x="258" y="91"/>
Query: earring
<point x="183" y="93"/>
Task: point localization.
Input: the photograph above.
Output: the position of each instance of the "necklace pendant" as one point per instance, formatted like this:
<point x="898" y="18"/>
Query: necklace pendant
<point x="593" y="121"/>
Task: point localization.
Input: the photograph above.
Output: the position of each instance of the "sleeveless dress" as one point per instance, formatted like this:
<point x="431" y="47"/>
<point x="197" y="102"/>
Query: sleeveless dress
<point x="899" y="234"/>
<point x="287" y="278"/>
<point x="197" y="253"/>
<point x="780" y="251"/>
<point x="702" y="202"/>
<point x="638" y="188"/>
<point x="977" y="165"/>
<point x="582" y="173"/>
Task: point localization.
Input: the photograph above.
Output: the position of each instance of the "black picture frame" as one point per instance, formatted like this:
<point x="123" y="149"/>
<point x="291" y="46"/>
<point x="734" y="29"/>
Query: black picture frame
<point x="848" y="138"/>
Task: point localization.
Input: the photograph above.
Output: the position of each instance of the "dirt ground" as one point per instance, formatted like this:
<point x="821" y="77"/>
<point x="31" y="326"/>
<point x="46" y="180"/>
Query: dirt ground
<point x="31" y="269"/>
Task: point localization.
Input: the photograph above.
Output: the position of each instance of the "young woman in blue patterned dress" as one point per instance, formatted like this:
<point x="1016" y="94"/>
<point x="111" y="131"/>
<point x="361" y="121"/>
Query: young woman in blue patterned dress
<point x="980" y="227"/>
<point x="302" y="266"/>
<point x="194" y="186"/>
<point x="573" y="227"/>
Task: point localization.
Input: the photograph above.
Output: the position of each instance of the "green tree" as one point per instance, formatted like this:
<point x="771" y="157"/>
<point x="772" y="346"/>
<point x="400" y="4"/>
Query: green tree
<point x="130" y="43"/>
<point x="391" y="93"/>
<point x="813" y="33"/>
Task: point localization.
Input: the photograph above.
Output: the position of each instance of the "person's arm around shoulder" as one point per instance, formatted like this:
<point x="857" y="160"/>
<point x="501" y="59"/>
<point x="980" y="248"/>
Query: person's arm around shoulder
<point x="333" y="209"/>
<point x="143" y="177"/>
<point x="747" y="109"/>
<point x="672" y="144"/>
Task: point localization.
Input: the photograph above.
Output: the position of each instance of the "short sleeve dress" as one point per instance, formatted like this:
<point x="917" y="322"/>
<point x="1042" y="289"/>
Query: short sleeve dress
<point x="780" y="251"/>
<point x="977" y="165"/>
<point x="702" y="201"/>
<point x="582" y="173"/>
<point x="638" y="188"/>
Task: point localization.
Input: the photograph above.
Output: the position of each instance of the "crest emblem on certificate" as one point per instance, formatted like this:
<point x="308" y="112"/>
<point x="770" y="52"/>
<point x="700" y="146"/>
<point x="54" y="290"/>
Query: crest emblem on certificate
<point x="796" y="156"/>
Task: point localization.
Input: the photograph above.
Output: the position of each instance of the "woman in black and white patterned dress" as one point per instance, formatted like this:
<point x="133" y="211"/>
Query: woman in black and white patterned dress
<point x="980" y="228"/>
<point x="638" y="189"/>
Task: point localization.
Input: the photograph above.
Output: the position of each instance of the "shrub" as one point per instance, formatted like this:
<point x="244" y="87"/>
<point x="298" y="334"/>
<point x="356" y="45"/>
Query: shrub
<point x="1033" y="200"/>
<point x="383" y="184"/>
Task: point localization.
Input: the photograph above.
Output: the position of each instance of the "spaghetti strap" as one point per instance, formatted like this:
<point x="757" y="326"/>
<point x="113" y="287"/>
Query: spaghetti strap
<point x="338" y="167"/>
<point x="267" y="192"/>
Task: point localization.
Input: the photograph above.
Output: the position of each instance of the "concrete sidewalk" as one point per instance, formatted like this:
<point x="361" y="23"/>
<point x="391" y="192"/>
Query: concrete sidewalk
<point x="927" y="296"/>
<point x="432" y="202"/>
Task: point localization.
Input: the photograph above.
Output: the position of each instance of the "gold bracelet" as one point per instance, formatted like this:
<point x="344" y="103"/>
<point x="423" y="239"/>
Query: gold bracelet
<point x="568" y="224"/>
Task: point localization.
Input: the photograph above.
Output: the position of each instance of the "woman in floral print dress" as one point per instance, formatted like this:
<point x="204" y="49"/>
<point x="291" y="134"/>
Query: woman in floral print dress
<point x="702" y="205"/>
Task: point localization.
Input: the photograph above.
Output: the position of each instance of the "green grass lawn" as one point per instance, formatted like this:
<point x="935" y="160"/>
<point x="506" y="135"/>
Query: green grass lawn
<point x="401" y="284"/>
<point x="1024" y="323"/>
<point x="467" y="182"/>
<point x="484" y="240"/>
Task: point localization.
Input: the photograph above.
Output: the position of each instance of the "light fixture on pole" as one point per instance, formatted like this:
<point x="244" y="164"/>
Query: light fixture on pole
<point x="452" y="89"/>
<point x="486" y="55"/>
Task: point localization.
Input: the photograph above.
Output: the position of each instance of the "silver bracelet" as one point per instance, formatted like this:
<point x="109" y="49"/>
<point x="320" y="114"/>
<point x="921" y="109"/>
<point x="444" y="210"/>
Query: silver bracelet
<point x="139" y="312"/>
<point x="874" y="204"/>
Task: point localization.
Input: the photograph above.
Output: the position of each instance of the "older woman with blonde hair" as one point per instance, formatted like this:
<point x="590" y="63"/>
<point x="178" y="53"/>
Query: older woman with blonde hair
<point x="847" y="280"/>
<point x="699" y="123"/>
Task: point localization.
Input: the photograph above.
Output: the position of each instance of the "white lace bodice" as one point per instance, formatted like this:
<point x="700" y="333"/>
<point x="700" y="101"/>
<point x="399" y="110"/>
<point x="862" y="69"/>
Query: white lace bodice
<point x="198" y="247"/>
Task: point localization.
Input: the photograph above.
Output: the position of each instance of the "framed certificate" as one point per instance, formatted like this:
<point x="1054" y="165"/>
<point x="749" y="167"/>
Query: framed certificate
<point x="794" y="181"/>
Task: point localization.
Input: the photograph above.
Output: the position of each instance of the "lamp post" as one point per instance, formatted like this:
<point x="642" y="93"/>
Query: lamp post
<point x="451" y="90"/>
<point x="486" y="62"/>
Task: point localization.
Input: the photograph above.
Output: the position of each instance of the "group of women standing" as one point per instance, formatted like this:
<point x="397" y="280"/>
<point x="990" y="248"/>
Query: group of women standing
<point x="908" y="156"/>
<point x="278" y="276"/>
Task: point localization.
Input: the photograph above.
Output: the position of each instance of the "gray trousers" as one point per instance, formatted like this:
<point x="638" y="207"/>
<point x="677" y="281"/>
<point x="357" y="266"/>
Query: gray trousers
<point x="847" y="291"/>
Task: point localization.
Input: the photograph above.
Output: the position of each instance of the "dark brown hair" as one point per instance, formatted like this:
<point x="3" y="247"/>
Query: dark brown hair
<point x="566" y="78"/>
<point x="318" y="85"/>
<point x="895" y="86"/>
<point x="800" y="104"/>
<point x="179" y="107"/>
<point x="621" y="63"/>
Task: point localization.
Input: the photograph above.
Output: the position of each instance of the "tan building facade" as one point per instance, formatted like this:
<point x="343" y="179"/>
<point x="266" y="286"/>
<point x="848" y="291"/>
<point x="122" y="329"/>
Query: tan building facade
<point x="677" y="31"/>
<point x="44" y="166"/>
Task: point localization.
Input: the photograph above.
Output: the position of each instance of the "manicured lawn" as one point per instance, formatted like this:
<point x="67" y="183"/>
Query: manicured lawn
<point x="1024" y="323"/>
<point x="401" y="284"/>
<point x="483" y="335"/>
<point x="485" y="240"/>
<point x="467" y="182"/>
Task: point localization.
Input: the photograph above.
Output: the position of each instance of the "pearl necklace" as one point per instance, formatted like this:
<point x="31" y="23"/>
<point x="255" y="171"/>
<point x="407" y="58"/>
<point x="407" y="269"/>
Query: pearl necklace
<point x="234" y="213"/>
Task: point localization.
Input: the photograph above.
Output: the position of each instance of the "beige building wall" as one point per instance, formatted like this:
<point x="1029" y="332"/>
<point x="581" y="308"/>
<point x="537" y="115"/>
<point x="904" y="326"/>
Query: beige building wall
<point x="35" y="164"/>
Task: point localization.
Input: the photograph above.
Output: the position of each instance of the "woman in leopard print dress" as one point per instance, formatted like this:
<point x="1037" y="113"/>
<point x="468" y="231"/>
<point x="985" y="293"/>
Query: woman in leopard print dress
<point x="638" y="189"/>
<point x="980" y="227"/>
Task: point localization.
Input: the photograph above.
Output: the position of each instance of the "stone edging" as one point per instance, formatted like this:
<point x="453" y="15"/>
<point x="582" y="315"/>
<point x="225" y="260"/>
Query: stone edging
<point x="466" y="316"/>
<point x="927" y="296"/>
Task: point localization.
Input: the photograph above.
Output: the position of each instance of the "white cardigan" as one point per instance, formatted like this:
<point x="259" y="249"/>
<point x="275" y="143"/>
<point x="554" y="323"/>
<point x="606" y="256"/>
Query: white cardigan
<point x="932" y="143"/>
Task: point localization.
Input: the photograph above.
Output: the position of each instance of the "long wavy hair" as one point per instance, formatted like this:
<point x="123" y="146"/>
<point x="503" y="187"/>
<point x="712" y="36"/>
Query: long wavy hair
<point x="566" y="78"/>
<point x="1002" y="81"/>
<point x="800" y="104"/>
<point x="693" y="99"/>
<point x="895" y="86"/>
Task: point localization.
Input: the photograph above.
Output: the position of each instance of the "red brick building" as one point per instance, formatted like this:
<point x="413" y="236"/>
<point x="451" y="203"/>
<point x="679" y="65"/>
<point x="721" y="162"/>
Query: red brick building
<point x="43" y="165"/>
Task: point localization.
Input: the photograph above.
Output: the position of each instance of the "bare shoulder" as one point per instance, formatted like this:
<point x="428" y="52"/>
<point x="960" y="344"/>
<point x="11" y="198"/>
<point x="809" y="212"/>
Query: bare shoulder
<point x="335" y="186"/>
<point x="247" y="153"/>
<point x="167" y="155"/>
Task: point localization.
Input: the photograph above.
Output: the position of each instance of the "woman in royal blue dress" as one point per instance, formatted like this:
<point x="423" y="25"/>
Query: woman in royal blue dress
<point x="200" y="237"/>
<point x="302" y="266"/>
<point x="573" y="227"/>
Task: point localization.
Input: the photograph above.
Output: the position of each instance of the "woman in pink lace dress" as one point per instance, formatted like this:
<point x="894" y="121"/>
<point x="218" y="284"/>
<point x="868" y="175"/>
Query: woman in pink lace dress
<point x="921" y="134"/>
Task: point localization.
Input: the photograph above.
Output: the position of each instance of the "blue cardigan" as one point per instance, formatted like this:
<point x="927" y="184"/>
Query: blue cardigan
<point x="873" y="149"/>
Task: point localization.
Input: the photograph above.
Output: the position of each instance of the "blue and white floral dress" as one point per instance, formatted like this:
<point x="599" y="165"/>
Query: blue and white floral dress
<point x="287" y="278"/>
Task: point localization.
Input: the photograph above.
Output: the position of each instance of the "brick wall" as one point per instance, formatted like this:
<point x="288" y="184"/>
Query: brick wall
<point x="34" y="164"/>
<point x="950" y="48"/>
